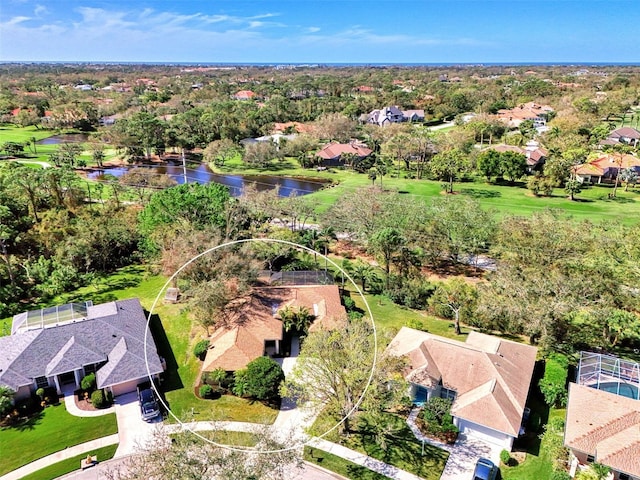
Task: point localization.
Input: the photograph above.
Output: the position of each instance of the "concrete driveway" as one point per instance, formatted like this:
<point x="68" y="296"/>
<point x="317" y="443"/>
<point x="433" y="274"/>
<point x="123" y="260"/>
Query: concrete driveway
<point x="464" y="454"/>
<point x="132" y="430"/>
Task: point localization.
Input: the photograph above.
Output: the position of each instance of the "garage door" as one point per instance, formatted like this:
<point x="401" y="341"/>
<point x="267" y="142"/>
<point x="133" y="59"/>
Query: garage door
<point x="485" y="434"/>
<point x="125" y="387"/>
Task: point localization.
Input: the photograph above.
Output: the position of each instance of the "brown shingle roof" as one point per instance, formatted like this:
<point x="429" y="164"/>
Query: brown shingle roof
<point x="604" y="425"/>
<point x="242" y="337"/>
<point x="490" y="375"/>
<point x="335" y="150"/>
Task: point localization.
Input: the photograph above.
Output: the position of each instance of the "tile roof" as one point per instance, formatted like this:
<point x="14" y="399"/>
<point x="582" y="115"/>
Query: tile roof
<point x="49" y="351"/>
<point x="242" y="337"/>
<point x="626" y="132"/>
<point x="335" y="150"/>
<point x="604" y="425"/>
<point x="490" y="375"/>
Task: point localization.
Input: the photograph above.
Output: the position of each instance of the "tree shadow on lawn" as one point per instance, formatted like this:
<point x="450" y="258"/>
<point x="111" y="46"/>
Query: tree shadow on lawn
<point x="29" y="423"/>
<point x="480" y="193"/>
<point x="401" y="448"/>
<point x="171" y="377"/>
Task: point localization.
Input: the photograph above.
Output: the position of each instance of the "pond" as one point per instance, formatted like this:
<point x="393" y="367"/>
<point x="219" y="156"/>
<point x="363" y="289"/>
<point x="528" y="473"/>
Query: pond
<point x="236" y="183"/>
<point x="64" y="138"/>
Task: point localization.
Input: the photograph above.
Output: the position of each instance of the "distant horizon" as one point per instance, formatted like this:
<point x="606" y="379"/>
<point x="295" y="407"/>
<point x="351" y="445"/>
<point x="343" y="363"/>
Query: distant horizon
<point x="312" y="64"/>
<point x="331" y="32"/>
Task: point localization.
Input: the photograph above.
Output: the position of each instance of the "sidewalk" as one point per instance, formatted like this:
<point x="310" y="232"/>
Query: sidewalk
<point x="361" y="459"/>
<point x="61" y="455"/>
<point x="72" y="408"/>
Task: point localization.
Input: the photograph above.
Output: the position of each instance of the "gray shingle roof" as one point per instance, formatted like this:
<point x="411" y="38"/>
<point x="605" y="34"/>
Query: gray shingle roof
<point x="25" y="356"/>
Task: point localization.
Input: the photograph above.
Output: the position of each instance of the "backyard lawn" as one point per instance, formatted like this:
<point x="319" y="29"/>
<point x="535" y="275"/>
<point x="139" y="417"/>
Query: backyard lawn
<point x="538" y="462"/>
<point x="53" y="430"/>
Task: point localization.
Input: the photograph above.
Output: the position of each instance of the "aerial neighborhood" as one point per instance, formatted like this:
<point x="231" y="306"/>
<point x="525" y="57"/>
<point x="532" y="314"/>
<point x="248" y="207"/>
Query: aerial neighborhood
<point x="308" y="271"/>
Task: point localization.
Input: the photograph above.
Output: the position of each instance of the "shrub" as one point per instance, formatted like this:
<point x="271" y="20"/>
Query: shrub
<point x="505" y="457"/>
<point x="553" y="383"/>
<point x="560" y="475"/>
<point x="98" y="399"/>
<point x="263" y="378"/>
<point x="40" y="393"/>
<point x="437" y="421"/>
<point x="6" y="400"/>
<point x="200" y="350"/>
<point x="349" y="303"/>
<point x="206" y="391"/>
<point x="88" y="383"/>
<point x="413" y="293"/>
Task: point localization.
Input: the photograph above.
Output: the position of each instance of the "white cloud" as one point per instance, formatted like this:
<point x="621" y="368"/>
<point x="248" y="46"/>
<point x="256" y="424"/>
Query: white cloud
<point x="15" y="21"/>
<point x="40" y="10"/>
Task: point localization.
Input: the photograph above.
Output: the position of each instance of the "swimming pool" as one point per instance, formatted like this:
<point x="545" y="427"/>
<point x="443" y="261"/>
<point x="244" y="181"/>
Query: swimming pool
<point x="624" y="389"/>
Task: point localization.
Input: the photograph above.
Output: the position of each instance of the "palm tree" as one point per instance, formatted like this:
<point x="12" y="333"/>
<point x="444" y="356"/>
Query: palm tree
<point x="363" y="272"/>
<point x="326" y="236"/>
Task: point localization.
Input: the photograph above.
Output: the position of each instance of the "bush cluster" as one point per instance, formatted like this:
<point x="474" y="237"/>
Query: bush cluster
<point x="101" y="399"/>
<point x="436" y="420"/>
<point x="413" y="294"/>
<point x="200" y="349"/>
<point x="554" y="382"/>
<point x="88" y="382"/>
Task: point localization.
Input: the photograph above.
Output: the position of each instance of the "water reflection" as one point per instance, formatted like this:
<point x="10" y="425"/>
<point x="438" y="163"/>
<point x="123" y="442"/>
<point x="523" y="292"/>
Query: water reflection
<point x="236" y="183"/>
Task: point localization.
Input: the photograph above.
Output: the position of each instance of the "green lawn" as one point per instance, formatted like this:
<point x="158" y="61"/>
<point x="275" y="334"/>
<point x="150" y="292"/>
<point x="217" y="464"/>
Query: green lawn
<point x="53" y="430"/>
<point x="71" y="464"/>
<point x="13" y="133"/>
<point x="391" y="317"/>
<point x="228" y="437"/>
<point x="340" y="465"/>
<point x="591" y="204"/>
<point x="538" y="462"/>
<point x="402" y="450"/>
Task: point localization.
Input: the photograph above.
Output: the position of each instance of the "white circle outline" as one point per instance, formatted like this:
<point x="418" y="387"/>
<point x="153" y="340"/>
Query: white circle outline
<point x="291" y="244"/>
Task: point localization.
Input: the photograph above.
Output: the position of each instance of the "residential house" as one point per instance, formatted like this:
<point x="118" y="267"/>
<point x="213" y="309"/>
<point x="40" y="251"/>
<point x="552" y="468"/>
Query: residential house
<point x="331" y="155"/>
<point x="624" y="135"/>
<point x="57" y="347"/>
<point x="603" y="415"/>
<point x="292" y="127"/>
<point x="513" y="117"/>
<point x="605" y="168"/>
<point x="487" y="378"/>
<point x="253" y="328"/>
<point x="393" y="114"/>
<point x="605" y="428"/>
<point x="536" y="156"/>
<point x="245" y="95"/>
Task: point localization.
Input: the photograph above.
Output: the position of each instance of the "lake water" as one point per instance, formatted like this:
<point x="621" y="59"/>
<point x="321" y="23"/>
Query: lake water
<point x="236" y="183"/>
<point x="64" y="138"/>
<point x="202" y="174"/>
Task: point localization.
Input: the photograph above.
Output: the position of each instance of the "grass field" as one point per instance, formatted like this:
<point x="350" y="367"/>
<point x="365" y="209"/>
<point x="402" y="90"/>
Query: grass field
<point x="52" y="430"/>
<point x="71" y="464"/>
<point x="339" y="465"/>
<point x="593" y="203"/>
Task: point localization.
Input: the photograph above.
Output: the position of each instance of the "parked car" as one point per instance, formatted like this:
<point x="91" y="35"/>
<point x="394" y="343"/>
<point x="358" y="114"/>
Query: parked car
<point x="485" y="470"/>
<point x="148" y="404"/>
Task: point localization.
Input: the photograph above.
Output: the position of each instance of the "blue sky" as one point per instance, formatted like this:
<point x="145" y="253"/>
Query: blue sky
<point x="321" y="31"/>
